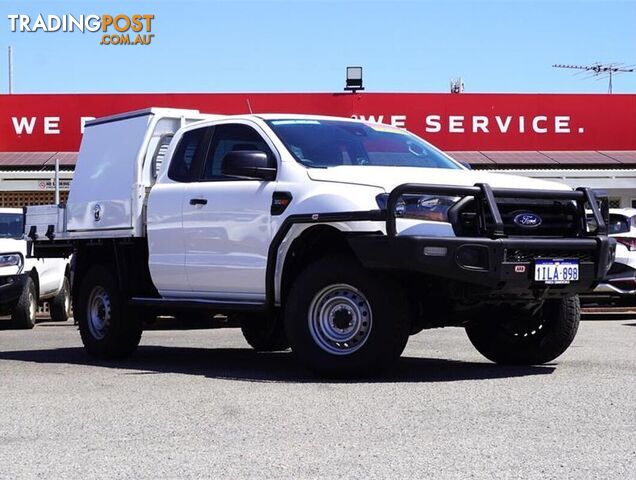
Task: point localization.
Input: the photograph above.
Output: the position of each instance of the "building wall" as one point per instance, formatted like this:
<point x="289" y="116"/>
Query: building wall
<point x="32" y="187"/>
<point x="18" y="199"/>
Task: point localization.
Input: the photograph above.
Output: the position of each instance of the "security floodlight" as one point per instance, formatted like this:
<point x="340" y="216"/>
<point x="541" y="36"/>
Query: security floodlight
<point x="354" y="79"/>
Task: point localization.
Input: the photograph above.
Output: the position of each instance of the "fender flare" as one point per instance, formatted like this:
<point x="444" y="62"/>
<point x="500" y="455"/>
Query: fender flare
<point x="272" y="292"/>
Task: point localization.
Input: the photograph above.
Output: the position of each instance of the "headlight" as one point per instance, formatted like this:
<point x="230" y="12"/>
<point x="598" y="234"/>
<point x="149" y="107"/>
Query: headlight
<point x="421" y="207"/>
<point x="10" y="260"/>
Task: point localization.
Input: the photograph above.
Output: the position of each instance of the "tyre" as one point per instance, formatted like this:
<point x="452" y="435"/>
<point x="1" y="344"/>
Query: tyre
<point x="23" y="315"/>
<point x="264" y="333"/>
<point x="511" y="336"/>
<point x="107" y="326"/>
<point x="342" y="321"/>
<point x="60" y="306"/>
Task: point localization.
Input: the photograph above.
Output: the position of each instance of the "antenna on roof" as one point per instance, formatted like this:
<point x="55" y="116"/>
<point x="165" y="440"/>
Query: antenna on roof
<point x="457" y="85"/>
<point x="249" y="107"/>
<point x="600" y="70"/>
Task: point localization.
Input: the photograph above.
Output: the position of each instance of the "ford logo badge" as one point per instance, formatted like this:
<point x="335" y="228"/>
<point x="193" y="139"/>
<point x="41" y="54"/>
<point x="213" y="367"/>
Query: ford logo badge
<point x="97" y="212"/>
<point x="527" y="220"/>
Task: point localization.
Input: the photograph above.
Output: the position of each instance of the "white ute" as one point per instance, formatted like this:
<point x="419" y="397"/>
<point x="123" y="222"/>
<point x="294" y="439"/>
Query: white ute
<point x="26" y="282"/>
<point x="336" y="237"/>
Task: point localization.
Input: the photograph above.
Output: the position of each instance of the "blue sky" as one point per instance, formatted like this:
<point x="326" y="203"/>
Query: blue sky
<point x="214" y="46"/>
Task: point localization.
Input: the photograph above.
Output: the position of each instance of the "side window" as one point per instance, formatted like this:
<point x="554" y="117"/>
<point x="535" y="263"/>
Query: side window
<point x="183" y="160"/>
<point x="231" y="137"/>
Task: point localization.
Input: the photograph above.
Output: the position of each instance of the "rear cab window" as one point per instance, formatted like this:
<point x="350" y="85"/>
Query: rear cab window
<point x="188" y="155"/>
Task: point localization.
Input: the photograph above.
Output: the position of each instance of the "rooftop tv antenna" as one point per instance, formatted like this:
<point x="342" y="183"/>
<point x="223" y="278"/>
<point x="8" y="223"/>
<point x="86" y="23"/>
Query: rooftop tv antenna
<point x="600" y="70"/>
<point x="457" y="85"/>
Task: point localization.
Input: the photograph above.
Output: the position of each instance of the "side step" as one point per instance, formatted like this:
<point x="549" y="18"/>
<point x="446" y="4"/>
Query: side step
<point x="187" y="304"/>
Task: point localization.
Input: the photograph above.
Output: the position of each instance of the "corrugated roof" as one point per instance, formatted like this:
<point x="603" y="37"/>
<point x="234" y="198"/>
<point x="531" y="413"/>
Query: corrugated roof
<point x="20" y="159"/>
<point x="552" y="159"/>
<point x="623" y="156"/>
<point x="519" y="158"/>
<point x="474" y="158"/>
<point x="508" y="159"/>
<point x="36" y="159"/>
<point x="580" y="158"/>
<point x="65" y="158"/>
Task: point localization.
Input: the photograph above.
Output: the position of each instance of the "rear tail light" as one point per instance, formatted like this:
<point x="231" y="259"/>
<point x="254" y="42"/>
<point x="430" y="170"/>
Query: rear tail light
<point x="629" y="242"/>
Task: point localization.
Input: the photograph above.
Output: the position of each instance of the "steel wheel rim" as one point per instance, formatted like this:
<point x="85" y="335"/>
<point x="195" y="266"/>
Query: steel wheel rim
<point x="340" y="319"/>
<point x="99" y="313"/>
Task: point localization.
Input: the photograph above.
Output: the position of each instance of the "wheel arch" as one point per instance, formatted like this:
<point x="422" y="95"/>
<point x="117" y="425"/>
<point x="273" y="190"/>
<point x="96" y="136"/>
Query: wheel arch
<point x="127" y="260"/>
<point x="311" y="244"/>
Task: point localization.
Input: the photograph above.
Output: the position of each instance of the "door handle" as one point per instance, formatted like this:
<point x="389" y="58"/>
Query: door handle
<point x="198" y="201"/>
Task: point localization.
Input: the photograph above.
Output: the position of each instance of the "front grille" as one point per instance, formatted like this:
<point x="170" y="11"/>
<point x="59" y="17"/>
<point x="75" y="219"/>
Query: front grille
<point x="558" y="218"/>
<point x="523" y="255"/>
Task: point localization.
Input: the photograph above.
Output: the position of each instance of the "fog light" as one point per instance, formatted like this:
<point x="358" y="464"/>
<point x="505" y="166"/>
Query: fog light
<point x="435" y="251"/>
<point x="473" y="257"/>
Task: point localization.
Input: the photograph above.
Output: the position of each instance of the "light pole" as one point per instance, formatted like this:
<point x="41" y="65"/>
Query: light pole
<point x="10" y="69"/>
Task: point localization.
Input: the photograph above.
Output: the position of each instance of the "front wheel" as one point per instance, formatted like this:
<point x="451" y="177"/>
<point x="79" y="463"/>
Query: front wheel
<point x="107" y="327"/>
<point x="23" y="315"/>
<point x="512" y="336"/>
<point x="341" y="320"/>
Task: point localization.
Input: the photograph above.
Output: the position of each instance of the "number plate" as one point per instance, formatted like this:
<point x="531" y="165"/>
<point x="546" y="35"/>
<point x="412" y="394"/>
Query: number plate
<point x="556" y="271"/>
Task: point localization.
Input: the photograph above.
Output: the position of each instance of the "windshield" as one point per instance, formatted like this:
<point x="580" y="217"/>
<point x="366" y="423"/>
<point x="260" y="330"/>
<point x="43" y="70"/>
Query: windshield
<point x="330" y="143"/>
<point x="11" y="225"/>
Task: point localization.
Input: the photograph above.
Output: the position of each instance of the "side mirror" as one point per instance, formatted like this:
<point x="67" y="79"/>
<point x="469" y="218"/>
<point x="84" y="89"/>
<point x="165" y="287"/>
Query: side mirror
<point x="249" y="164"/>
<point x="466" y="164"/>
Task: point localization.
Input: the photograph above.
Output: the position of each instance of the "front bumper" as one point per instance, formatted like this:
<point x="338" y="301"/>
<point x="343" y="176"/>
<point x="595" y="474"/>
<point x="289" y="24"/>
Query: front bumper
<point x="11" y="287"/>
<point x="499" y="266"/>
<point x="502" y="274"/>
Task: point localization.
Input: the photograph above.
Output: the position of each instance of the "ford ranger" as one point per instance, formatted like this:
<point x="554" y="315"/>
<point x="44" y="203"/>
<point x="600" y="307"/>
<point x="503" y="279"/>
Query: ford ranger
<point x="337" y="237"/>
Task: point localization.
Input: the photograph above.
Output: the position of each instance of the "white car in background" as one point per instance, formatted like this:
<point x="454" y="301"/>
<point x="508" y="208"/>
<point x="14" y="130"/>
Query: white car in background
<point x="620" y="284"/>
<point x="27" y="282"/>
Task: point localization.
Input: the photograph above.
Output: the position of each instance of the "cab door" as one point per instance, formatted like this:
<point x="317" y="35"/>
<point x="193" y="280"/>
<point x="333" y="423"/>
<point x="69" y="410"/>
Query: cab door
<point x="227" y="221"/>
<point x="51" y="275"/>
<point x="166" y="245"/>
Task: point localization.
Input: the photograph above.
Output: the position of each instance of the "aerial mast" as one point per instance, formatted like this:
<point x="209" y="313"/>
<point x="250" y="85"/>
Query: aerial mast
<point x="600" y="70"/>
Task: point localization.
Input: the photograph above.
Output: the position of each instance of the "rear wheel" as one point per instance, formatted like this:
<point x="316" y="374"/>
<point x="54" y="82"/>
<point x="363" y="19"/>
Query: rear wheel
<point x="340" y="320"/>
<point x="264" y="333"/>
<point x="60" y="306"/>
<point x="107" y="326"/>
<point x="512" y="336"/>
<point x="23" y="315"/>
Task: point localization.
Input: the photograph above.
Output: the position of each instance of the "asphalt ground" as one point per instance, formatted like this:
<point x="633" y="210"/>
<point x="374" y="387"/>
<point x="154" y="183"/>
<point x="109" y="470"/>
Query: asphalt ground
<point x="201" y="404"/>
